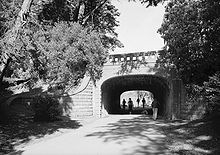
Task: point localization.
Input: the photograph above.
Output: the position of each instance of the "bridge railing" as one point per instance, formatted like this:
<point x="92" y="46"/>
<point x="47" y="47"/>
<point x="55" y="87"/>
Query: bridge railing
<point x="150" y="56"/>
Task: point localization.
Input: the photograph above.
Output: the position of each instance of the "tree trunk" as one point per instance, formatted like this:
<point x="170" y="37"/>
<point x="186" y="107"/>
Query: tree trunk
<point x="21" y="20"/>
<point x="76" y="11"/>
<point x="13" y="33"/>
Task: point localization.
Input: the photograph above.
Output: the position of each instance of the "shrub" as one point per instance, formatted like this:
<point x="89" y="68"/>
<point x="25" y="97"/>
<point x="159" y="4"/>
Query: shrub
<point x="212" y="93"/>
<point x="46" y="108"/>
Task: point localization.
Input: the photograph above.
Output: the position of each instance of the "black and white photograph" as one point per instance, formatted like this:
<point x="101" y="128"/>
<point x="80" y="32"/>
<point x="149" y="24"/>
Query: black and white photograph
<point x="109" y="77"/>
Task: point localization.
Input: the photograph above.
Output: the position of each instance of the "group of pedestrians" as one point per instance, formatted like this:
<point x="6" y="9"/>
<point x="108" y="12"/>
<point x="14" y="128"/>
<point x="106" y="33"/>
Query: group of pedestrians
<point x="143" y="101"/>
<point x="130" y="104"/>
<point x="154" y="105"/>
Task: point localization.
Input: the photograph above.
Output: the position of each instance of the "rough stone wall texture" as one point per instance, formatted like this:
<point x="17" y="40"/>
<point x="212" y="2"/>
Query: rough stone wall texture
<point x="82" y="103"/>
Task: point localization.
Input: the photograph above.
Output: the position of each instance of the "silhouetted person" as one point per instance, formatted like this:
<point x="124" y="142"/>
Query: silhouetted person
<point x="143" y="101"/>
<point x="155" y="106"/>
<point x="130" y="105"/>
<point x="138" y="101"/>
<point x="123" y="104"/>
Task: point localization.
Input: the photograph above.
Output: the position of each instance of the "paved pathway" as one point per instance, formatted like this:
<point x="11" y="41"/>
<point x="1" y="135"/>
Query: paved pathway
<point x="113" y="135"/>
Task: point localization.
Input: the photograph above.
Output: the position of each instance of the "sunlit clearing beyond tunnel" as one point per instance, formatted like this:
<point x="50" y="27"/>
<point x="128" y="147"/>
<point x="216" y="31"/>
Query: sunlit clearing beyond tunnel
<point x="112" y="89"/>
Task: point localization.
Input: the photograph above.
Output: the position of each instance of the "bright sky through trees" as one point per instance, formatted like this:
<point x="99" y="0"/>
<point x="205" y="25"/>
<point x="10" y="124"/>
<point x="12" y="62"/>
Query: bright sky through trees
<point x="138" y="26"/>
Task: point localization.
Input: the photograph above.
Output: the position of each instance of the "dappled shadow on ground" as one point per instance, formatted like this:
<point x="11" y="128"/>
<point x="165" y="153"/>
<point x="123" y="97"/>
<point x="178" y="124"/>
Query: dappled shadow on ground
<point x="139" y="135"/>
<point x="196" y="137"/>
<point x="21" y="130"/>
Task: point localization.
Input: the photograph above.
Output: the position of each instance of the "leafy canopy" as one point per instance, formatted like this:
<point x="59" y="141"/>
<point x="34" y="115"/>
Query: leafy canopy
<point x="60" y="41"/>
<point x="191" y="31"/>
<point x="70" y="50"/>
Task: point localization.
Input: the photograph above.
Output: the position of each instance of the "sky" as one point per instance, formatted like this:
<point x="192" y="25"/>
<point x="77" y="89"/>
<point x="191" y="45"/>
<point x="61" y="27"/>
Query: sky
<point x="138" y="26"/>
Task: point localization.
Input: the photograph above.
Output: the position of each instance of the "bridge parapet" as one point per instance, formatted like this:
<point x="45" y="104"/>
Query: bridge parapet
<point x="150" y="56"/>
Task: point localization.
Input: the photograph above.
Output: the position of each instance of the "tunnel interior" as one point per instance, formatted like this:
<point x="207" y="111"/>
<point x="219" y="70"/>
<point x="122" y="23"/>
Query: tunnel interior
<point x="112" y="89"/>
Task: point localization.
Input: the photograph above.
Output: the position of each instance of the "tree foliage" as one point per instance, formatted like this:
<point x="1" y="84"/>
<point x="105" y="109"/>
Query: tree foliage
<point x="60" y="42"/>
<point x="150" y="2"/>
<point x="191" y="30"/>
<point x="68" y="50"/>
<point x="212" y="92"/>
<point x="97" y="15"/>
<point x="191" y="33"/>
<point x="8" y="12"/>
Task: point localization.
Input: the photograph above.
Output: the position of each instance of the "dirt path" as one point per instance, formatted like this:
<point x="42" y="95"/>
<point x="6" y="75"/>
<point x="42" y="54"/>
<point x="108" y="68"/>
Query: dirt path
<point x="116" y="134"/>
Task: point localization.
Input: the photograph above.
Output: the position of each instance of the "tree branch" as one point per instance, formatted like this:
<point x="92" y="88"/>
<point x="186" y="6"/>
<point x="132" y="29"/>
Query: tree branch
<point x="76" y="11"/>
<point x="85" y="19"/>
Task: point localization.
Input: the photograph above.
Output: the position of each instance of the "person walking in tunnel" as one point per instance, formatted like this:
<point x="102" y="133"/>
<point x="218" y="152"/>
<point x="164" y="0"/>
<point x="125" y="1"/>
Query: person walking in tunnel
<point x="138" y="101"/>
<point x="130" y="105"/>
<point x="155" y="106"/>
<point x="123" y="104"/>
<point x="143" y="101"/>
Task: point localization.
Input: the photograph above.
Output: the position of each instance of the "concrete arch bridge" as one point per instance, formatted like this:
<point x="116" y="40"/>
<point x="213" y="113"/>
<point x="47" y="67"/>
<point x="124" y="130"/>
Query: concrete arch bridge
<point x="126" y="72"/>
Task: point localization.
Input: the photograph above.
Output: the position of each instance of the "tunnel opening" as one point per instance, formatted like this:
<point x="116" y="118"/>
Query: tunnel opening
<point x="112" y="89"/>
<point x="141" y="99"/>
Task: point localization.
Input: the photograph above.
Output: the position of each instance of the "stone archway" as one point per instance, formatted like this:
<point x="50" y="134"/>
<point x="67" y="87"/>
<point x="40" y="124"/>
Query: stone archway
<point x="112" y="88"/>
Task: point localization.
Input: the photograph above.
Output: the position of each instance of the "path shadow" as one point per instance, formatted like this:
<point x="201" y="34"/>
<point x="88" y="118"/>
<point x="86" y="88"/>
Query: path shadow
<point x="146" y="133"/>
<point x="198" y="137"/>
<point x="23" y="129"/>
